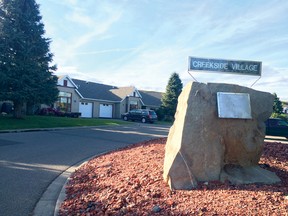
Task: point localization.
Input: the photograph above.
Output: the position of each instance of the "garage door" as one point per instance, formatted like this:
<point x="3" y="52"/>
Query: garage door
<point x="105" y="111"/>
<point x="85" y="109"/>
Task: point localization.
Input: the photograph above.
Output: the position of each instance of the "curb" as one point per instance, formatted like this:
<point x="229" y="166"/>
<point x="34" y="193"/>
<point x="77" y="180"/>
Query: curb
<point x="42" y="129"/>
<point x="51" y="129"/>
<point x="51" y="200"/>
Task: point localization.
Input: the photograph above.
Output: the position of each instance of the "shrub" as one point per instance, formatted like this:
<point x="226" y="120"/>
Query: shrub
<point x="277" y="115"/>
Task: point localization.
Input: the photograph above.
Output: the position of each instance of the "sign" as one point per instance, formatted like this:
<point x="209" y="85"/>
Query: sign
<point x="234" y="105"/>
<point x="226" y="66"/>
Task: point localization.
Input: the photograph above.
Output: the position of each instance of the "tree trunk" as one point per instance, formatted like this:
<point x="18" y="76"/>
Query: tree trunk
<point x="30" y="109"/>
<point x="18" y="110"/>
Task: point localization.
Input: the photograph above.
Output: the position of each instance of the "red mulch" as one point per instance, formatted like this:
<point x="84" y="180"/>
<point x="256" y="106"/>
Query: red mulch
<point x="129" y="182"/>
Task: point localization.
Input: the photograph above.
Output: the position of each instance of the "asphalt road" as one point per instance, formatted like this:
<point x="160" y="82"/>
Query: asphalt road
<point x="30" y="161"/>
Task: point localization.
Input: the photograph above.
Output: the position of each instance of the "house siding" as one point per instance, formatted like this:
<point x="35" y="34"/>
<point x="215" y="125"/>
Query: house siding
<point x="117" y="113"/>
<point x="122" y="99"/>
<point x="122" y="108"/>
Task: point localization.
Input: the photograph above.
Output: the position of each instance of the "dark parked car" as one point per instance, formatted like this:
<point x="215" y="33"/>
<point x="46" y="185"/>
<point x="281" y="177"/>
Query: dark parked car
<point x="277" y="127"/>
<point x="142" y="115"/>
<point x="6" y="108"/>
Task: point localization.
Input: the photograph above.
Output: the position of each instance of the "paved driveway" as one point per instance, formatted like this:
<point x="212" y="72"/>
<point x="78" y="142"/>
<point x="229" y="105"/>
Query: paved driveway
<point x="30" y="161"/>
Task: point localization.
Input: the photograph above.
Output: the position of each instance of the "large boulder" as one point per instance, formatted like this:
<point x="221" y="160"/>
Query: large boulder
<point x="203" y="147"/>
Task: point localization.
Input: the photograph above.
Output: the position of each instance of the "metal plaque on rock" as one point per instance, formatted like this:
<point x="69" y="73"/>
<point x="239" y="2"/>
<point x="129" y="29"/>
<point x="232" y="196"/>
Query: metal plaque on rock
<point x="234" y="105"/>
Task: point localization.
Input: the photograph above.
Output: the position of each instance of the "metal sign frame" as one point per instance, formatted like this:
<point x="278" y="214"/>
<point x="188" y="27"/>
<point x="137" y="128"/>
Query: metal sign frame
<point x="239" y="67"/>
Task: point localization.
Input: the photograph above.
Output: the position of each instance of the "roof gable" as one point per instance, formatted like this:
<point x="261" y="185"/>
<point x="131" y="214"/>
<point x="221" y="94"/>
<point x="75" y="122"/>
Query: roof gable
<point x="123" y="92"/>
<point x="66" y="81"/>
<point x="151" y="98"/>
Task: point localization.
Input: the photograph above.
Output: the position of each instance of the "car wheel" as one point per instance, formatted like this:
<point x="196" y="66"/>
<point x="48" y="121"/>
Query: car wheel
<point x="125" y="118"/>
<point x="143" y="120"/>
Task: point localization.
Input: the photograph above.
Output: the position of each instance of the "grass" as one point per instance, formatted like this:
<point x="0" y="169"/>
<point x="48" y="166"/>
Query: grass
<point x="32" y="122"/>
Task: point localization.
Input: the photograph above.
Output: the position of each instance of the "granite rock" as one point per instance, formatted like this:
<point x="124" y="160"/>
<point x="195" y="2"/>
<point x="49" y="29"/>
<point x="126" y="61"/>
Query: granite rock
<point x="203" y="147"/>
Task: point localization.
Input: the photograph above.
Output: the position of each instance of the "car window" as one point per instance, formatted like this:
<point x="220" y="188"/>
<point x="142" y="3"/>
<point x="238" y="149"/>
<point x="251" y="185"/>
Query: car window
<point x="282" y="123"/>
<point x="152" y="112"/>
<point x="273" y="122"/>
<point x="132" y="112"/>
<point x="138" y="112"/>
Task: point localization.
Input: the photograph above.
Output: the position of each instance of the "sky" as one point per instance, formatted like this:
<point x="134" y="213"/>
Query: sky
<point x="141" y="43"/>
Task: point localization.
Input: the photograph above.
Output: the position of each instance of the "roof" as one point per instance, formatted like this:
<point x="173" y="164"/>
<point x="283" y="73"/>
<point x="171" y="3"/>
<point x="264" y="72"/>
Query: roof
<point x="122" y="92"/>
<point x="97" y="91"/>
<point x="151" y="98"/>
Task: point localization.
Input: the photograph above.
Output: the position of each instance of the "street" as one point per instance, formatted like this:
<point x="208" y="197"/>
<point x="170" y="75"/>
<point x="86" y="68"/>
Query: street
<point x="30" y="161"/>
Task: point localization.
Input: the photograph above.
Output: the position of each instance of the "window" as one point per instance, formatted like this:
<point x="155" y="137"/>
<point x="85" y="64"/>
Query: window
<point x="282" y="123"/>
<point x="65" y="83"/>
<point x="64" y="102"/>
<point x="133" y="112"/>
<point x="138" y="112"/>
<point x="133" y="105"/>
<point x="273" y="122"/>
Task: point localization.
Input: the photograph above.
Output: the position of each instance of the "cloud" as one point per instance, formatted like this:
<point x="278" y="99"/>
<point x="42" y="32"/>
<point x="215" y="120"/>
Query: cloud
<point x="142" y="43"/>
<point x="71" y="2"/>
<point x="79" y="17"/>
<point x="147" y="69"/>
<point x="272" y="80"/>
<point x="73" y="72"/>
<point x="90" y="30"/>
<point x="99" y="52"/>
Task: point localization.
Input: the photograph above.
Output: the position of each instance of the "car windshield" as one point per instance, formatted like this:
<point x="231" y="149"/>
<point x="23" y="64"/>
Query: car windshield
<point x="283" y="123"/>
<point x="152" y="113"/>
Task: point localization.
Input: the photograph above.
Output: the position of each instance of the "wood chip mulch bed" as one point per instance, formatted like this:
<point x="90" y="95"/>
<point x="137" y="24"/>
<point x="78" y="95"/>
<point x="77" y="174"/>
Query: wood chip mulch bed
<point x="129" y="182"/>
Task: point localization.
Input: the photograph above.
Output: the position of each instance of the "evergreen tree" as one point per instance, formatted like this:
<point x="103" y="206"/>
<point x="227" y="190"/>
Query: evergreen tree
<point x="26" y="76"/>
<point x="277" y="105"/>
<point x="170" y="97"/>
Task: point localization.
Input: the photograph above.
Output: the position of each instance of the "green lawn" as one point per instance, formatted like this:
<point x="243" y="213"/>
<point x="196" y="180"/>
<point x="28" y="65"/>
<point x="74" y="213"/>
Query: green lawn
<point x="30" y="122"/>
